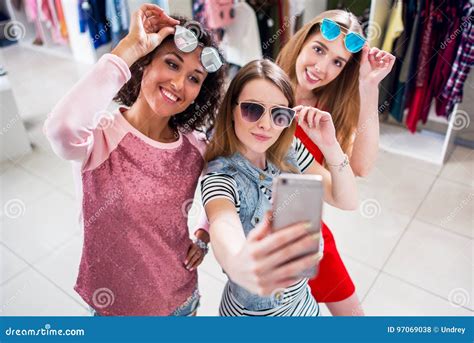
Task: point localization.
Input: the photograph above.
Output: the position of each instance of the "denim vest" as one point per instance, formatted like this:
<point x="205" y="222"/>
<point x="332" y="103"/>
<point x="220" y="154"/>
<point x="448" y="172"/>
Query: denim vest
<point x="253" y="206"/>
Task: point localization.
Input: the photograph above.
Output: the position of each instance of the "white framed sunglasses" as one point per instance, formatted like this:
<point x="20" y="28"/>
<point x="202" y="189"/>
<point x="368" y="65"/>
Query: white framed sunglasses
<point x="187" y="41"/>
<point x="252" y="111"/>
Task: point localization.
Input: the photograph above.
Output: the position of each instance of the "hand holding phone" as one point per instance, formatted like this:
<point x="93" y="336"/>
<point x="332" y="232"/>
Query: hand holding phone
<point x="299" y="198"/>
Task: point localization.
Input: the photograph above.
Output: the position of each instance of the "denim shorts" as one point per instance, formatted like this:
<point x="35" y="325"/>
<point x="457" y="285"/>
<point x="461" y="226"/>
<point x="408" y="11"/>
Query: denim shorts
<point x="187" y="309"/>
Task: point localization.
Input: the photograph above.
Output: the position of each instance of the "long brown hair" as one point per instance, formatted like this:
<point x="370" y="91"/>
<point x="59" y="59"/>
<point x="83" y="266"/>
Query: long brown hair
<point x="225" y="142"/>
<point x="341" y="96"/>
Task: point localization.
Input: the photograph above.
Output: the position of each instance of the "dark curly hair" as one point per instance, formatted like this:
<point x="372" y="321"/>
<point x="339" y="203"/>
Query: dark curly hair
<point x="200" y="114"/>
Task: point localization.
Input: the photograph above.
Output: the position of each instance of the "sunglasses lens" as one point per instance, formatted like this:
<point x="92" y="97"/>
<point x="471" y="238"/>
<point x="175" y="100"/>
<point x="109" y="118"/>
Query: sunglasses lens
<point x="354" y="42"/>
<point x="251" y="112"/>
<point x="282" y="116"/>
<point x="330" y="29"/>
<point x="185" y="39"/>
<point x="210" y="59"/>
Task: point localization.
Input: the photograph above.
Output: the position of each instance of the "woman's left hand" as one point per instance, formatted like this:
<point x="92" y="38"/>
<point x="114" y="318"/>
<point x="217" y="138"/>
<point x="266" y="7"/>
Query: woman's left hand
<point x="194" y="258"/>
<point x="375" y="64"/>
<point x="317" y="124"/>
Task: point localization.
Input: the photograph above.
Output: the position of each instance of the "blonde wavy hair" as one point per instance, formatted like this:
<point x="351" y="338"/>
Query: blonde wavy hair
<point x="341" y="96"/>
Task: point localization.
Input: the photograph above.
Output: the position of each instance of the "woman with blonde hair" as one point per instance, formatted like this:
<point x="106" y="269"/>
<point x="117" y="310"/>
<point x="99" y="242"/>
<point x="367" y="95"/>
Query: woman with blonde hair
<point x="252" y="144"/>
<point x="332" y="68"/>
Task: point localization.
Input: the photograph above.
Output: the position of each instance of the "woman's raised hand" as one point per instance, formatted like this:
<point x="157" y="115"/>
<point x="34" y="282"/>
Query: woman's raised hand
<point x="317" y="124"/>
<point x="149" y="26"/>
<point x="375" y="64"/>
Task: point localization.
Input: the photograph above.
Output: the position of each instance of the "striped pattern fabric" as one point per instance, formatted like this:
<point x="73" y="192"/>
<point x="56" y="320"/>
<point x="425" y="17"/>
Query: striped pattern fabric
<point x="294" y="301"/>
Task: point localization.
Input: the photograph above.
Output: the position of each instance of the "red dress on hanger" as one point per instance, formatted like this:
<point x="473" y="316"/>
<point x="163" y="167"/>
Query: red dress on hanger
<point x="333" y="282"/>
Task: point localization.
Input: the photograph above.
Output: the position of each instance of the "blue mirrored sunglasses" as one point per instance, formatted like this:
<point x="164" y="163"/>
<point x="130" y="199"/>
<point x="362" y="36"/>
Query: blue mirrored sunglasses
<point x="353" y="41"/>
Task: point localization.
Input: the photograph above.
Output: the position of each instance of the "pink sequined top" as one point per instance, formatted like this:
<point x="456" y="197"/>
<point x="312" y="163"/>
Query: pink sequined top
<point x="134" y="194"/>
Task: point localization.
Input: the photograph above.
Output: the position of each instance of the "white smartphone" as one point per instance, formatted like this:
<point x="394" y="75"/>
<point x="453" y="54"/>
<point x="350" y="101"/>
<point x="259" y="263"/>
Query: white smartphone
<point x="298" y="198"/>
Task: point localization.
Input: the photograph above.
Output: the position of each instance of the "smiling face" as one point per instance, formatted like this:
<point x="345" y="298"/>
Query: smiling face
<point x="173" y="80"/>
<point x="320" y="61"/>
<point x="257" y="137"/>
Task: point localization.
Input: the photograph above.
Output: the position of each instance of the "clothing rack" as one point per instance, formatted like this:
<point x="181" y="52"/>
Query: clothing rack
<point x="426" y="145"/>
<point x="80" y="46"/>
<point x="19" y="18"/>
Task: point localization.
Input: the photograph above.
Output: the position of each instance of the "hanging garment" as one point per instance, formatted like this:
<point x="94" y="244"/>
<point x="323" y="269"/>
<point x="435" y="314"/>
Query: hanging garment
<point x="423" y="68"/>
<point x="50" y="17"/>
<point x="219" y="13"/>
<point x="118" y="15"/>
<point x="388" y="86"/>
<point x="395" y="26"/>
<point x="277" y="29"/>
<point x="241" y="41"/>
<point x="198" y="11"/>
<point x="440" y="29"/>
<point x="92" y="17"/>
<point x="265" y="11"/>
<point x="32" y="14"/>
<point x="464" y="60"/>
<point x="17" y="4"/>
<point x="435" y="29"/>
<point x="408" y="69"/>
<point x="61" y="19"/>
<point x="296" y="15"/>
<point x="446" y="47"/>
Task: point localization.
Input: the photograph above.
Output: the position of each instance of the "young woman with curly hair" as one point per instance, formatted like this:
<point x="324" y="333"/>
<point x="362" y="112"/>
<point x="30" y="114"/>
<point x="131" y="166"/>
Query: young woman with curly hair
<point x="138" y="167"/>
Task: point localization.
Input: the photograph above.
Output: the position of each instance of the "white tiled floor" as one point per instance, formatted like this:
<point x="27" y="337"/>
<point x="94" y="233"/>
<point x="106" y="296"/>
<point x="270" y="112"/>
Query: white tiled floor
<point x="409" y="248"/>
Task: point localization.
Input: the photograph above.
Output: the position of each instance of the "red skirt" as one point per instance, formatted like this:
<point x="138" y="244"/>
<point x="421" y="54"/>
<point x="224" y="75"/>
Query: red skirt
<point x="333" y="282"/>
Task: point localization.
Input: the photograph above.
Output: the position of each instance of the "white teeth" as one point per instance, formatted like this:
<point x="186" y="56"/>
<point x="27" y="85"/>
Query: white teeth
<point x="169" y="95"/>
<point x="311" y="76"/>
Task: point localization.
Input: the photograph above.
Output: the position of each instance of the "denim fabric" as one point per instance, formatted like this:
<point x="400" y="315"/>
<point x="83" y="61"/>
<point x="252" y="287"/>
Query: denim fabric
<point x="253" y="206"/>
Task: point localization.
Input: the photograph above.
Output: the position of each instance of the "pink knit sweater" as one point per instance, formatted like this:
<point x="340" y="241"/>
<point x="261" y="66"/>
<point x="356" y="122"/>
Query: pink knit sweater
<point x="134" y="192"/>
